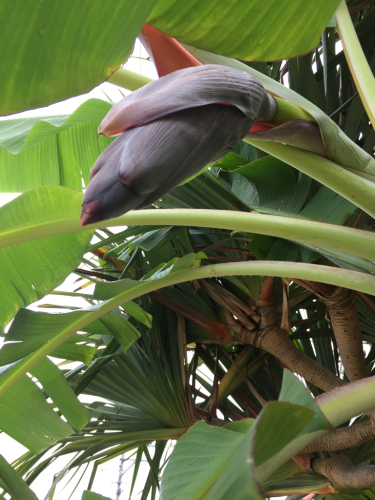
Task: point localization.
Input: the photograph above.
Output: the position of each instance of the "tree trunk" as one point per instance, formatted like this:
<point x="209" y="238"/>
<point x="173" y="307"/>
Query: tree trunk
<point x="342" y="473"/>
<point x="345" y="324"/>
<point x="276" y="341"/>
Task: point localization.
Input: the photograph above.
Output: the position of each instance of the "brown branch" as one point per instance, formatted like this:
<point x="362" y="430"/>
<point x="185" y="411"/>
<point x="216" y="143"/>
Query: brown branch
<point x="215" y="387"/>
<point x="345" y="324"/>
<point x="248" y="404"/>
<point x="202" y="414"/>
<point x="227" y="299"/>
<point x="234" y="414"/>
<point x="218" y="330"/>
<point x="285" y="314"/>
<point x="266" y="295"/>
<point x="96" y="275"/>
<point x="342" y="473"/>
<point x="343" y="438"/>
<point x="220" y="295"/>
<point x="341" y="305"/>
<point x="358" y="219"/>
<point x="276" y="341"/>
<point x="358" y="5"/>
<point x="197" y="392"/>
<point x="231" y="412"/>
<point x="316" y="288"/>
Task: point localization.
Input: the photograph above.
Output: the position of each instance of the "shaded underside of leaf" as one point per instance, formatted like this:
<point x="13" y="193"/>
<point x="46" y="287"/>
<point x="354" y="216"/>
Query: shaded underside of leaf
<point x="251" y="31"/>
<point x="43" y="41"/>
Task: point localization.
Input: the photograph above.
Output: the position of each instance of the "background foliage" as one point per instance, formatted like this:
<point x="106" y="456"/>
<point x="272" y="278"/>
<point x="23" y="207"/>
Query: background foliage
<point x="174" y="302"/>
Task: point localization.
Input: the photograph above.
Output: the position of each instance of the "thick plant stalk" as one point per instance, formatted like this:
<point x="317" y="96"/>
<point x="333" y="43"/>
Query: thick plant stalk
<point x="342" y="473"/>
<point x="273" y="339"/>
<point x="341" y="305"/>
<point x="345" y="324"/>
<point x="343" y="438"/>
<point x="359" y="68"/>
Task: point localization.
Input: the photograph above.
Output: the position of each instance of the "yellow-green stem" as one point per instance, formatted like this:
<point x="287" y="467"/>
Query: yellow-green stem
<point x="359" y="68"/>
<point x="128" y="79"/>
<point x="357" y="188"/>
<point x="316" y="234"/>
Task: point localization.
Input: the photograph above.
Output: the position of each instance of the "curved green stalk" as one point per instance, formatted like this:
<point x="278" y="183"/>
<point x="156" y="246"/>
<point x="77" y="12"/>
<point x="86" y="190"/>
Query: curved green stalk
<point x="316" y="234"/>
<point x="354" y="187"/>
<point x="324" y="274"/>
<point x="351" y="400"/>
<point x="128" y="79"/>
<point x="359" y="68"/>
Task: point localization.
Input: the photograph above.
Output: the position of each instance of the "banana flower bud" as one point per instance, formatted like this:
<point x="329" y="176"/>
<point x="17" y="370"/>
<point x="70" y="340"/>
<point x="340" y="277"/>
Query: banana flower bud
<point x="169" y="130"/>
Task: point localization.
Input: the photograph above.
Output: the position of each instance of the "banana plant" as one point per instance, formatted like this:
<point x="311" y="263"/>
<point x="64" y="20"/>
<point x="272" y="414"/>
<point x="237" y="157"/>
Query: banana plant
<point x="255" y="256"/>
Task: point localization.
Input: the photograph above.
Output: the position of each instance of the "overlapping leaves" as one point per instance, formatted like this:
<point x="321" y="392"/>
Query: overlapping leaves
<point x="32" y="269"/>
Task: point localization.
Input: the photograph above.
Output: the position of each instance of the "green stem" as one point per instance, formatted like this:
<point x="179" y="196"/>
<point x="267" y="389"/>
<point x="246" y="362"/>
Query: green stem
<point x="324" y="274"/>
<point x="128" y="79"/>
<point x="316" y="234"/>
<point x="359" y="68"/>
<point x="351" y="400"/>
<point x="353" y="186"/>
<point x="287" y="111"/>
